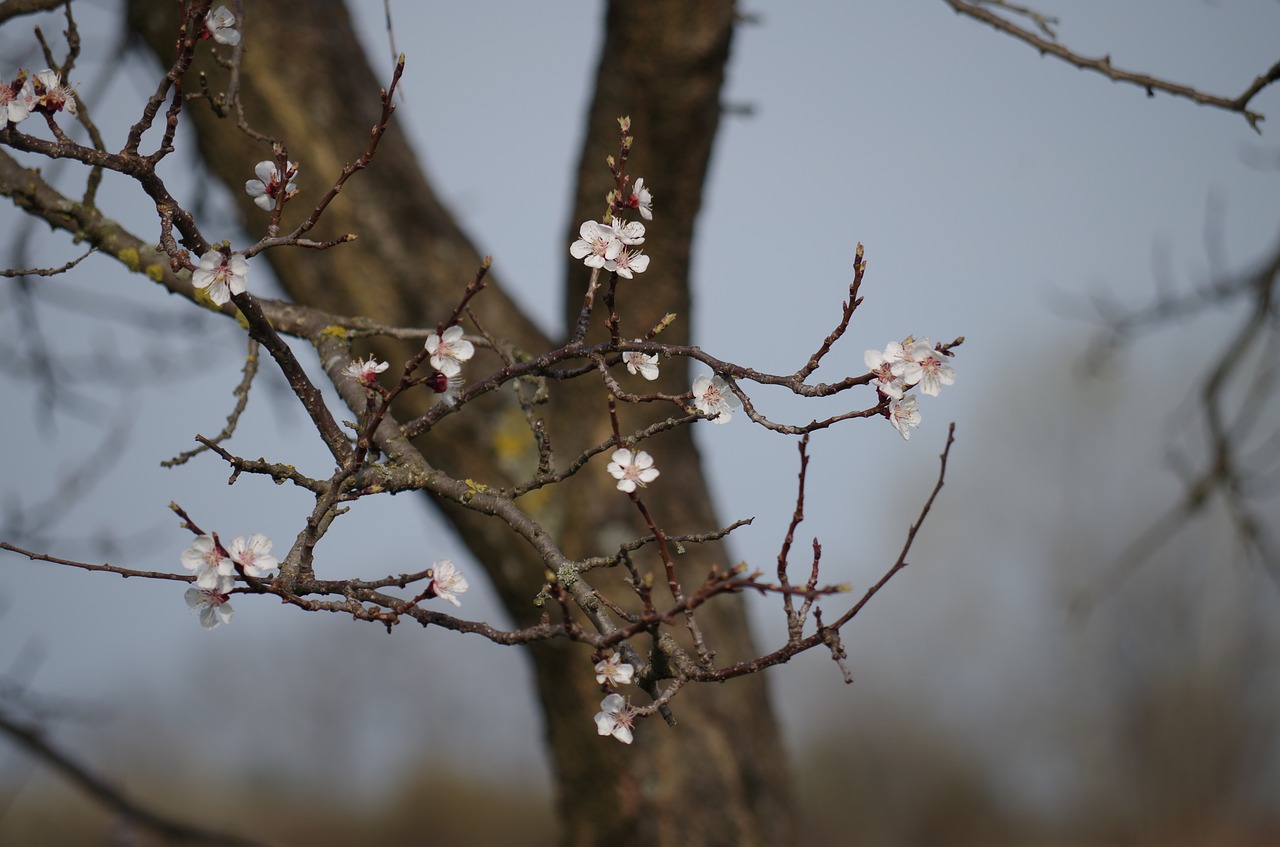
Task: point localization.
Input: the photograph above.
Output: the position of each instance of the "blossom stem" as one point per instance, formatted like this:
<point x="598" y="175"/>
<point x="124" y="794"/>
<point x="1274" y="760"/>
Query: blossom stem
<point x="588" y="302"/>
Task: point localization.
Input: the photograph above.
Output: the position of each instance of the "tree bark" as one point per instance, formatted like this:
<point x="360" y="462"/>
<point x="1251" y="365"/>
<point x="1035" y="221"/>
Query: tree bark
<point x="719" y="775"/>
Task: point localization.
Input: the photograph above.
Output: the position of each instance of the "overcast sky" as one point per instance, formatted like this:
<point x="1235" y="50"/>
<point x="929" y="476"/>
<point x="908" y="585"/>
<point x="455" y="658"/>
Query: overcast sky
<point x="992" y="188"/>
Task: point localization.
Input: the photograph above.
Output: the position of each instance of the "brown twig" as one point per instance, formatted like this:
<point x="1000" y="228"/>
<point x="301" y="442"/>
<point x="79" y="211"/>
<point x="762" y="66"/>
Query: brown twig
<point x="1103" y="66"/>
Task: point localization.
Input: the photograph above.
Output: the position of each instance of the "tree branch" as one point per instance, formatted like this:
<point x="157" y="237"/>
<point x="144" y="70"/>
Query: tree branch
<point x="1103" y="66"/>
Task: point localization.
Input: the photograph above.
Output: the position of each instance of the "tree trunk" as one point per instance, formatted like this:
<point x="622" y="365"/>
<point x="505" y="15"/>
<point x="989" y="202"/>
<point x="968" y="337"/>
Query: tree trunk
<point x="718" y="776"/>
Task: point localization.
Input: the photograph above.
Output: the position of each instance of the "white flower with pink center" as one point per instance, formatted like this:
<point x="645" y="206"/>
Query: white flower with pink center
<point x="222" y="275"/>
<point x="221" y="26"/>
<point x="903" y="416"/>
<point x="614" y="672"/>
<point x="212" y="569"/>
<point x="645" y="364"/>
<point x="615" y="718"/>
<point x="447" y="582"/>
<point x="713" y="397"/>
<point x="253" y="555"/>
<point x="628" y="263"/>
<point x="598" y="243"/>
<point x="268" y="186"/>
<point x="449" y="351"/>
<point x="213" y="606"/>
<point x="17" y="102"/>
<point x="934" y="373"/>
<point x="365" y="371"/>
<point x="641" y="200"/>
<point x="632" y="469"/>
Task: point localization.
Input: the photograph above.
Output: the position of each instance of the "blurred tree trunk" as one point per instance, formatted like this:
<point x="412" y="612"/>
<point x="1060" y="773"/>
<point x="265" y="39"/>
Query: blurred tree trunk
<point x="719" y="776"/>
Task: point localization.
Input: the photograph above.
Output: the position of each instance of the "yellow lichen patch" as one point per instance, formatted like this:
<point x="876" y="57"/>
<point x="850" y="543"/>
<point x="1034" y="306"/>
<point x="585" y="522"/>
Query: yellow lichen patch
<point x="155" y="272"/>
<point x="130" y="259"/>
<point x="334" y="331"/>
<point x="201" y="296"/>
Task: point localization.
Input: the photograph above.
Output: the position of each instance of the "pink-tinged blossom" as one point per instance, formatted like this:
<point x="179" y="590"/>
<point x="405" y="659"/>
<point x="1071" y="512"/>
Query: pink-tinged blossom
<point x="615" y="718"/>
<point x="211" y="567"/>
<point x="446" y="386"/>
<point x="447" y="582"/>
<point x="645" y="364"/>
<point x="632" y="469"/>
<point x="641" y="200"/>
<point x="17" y="100"/>
<point x="223" y="275"/>
<point x="365" y="371"/>
<point x="904" y="358"/>
<point x="630" y="233"/>
<point x="613" y="671"/>
<point x="449" y="351"/>
<point x="713" y="397"/>
<point x="598" y="244"/>
<point x="888" y="384"/>
<point x="253" y="555"/>
<point x="628" y="263"/>
<point x="935" y="373"/>
<point x="267" y="187"/>
<point x="213" y="605"/>
<point x="220" y="25"/>
<point x="903" y="415"/>
<point x="51" y="95"/>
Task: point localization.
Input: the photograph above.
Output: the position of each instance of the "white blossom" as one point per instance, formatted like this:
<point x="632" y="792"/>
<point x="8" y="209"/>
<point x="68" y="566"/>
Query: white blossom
<point x="598" y="244"/>
<point x="447" y="582"/>
<point x="446" y="386"/>
<point x="51" y="95"/>
<point x="934" y="373"/>
<point x="266" y="188"/>
<point x="632" y="469"/>
<point x="211" y="568"/>
<point x="903" y="415"/>
<point x="449" y="351"/>
<point x="365" y="371"/>
<point x="614" y="671"/>
<point x="887" y="383"/>
<point x="630" y="233"/>
<point x="627" y="263"/>
<point x="222" y="275"/>
<point x="642" y="200"/>
<point x="904" y="358"/>
<point x="645" y="364"/>
<point x="253" y="555"/>
<point x="615" y="718"/>
<point x="16" y="103"/>
<point x="213" y="605"/>
<point x="221" y="25"/>
<point x="712" y="396"/>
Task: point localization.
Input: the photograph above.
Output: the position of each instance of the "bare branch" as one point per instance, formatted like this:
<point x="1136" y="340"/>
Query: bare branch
<point x="1103" y="65"/>
<point x="108" y="795"/>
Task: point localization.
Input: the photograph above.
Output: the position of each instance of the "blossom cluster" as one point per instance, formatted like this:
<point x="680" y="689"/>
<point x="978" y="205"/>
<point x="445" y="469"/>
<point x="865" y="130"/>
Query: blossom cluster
<point x="42" y="92"/>
<point x="607" y="244"/>
<point x="215" y="568"/>
<point x="903" y="365"/>
<point x="712" y="396"/>
<point x="616" y="715"/>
